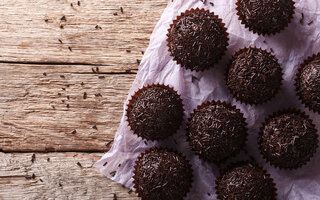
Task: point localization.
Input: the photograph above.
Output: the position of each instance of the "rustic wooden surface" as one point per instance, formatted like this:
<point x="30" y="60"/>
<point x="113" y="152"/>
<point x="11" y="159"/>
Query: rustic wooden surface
<point x="65" y="71"/>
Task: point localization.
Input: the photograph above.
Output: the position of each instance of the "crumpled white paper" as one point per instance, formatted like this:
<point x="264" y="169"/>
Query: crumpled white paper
<point x="298" y="41"/>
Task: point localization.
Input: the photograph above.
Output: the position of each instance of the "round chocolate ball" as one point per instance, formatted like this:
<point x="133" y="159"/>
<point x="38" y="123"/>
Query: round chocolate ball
<point x="254" y="76"/>
<point x="308" y="83"/>
<point x="216" y="131"/>
<point x="162" y="174"/>
<point x="288" y="139"/>
<point x="265" y="17"/>
<point x="155" y="112"/>
<point x="197" y="39"/>
<point x="245" y="181"/>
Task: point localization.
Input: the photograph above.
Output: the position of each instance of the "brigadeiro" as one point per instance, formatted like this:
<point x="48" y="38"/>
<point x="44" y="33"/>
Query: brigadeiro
<point x="162" y="174"/>
<point x="216" y="131"/>
<point x="245" y="181"/>
<point x="254" y="76"/>
<point x="288" y="139"/>
<point x="197" y="39"/>
<point x="155" y="112"/>
<point x="265" y="17"/>
<point x="308" y="83"/>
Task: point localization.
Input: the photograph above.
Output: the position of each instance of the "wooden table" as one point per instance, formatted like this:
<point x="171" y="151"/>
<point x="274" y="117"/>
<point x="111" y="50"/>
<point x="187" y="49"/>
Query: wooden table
<point x="65" y="69"/>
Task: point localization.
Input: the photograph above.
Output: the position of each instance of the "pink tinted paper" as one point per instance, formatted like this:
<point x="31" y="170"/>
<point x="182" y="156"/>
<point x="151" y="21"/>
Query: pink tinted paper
<point x="298" y="41"/>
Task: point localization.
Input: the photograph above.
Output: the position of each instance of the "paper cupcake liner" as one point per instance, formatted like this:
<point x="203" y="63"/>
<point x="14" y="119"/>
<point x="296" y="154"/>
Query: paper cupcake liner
<point x="234" y="94"/>
<point x="241" y="163"/>
<point x="278" y="113"/>
<point x="161" y="149"/>
<point x="193" y="11"/>
<point x="240" y="17"/>
<point x="229" y="106"/>
<point x="297" y="87"/>
<point x="133" y="99"/>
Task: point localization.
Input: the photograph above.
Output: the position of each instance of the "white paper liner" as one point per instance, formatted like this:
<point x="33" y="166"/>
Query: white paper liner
<point x="291" y="46"/>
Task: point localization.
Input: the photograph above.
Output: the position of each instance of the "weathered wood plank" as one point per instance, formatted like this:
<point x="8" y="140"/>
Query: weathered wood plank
<point x="59" y="108"/>
<point x="43" y="31"/>
<point x="60" y="177"/>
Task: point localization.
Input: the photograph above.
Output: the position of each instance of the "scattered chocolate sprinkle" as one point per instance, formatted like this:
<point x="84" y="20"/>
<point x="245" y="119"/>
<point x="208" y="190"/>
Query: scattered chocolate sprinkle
<point x="63" y="88"/>
<point x="302" y="19"/>
<point x="138" y="61"/>
<point x="46" y="20"/>
<point x="60" y="185"/>
<point x="53" y="106"/>
<point x="44" y="74"/>
<point x="62" y="100"/>
<point x="68" y="106"/>
<point x="212" y="4"/>
<point x="82" y="84"/>
<point x="95" y="127"/>
<point x="33" y="176"/>
<point x="62" y="76"/>
<point x="61" y="26"/>
<point x="79" y="164"/>
<point x="70" y="49"/>
<point x="48" y="159"/>
<point x="98" y="95"/>
<point x="115" y="14"/>
<point x="63" y="18"/>
<point x="311" y="22"/>
<point x="71" y="4"/>
<point x="59" y="93"/>
<point x="98" y="27"/>
<point x="93" y="70"/>
<point x="105" y="163"/>
<point x="128" y="50"/>
<point x="40" y="180"/>
<point x="78" y="3"/>
<point x="101" y="77"/>
<point x="60" y="41"/>
<point x="254" y="76"/>
<point x="74" y="132"/>
<point x="68" y="97"/>
<point x="121" y="9"/>
<point x="33" y="158"/>
<point x="84" y="95"/>
<point x="113" y="173"/>
<point x="119" y="165"/>
<point x="197" y="39"/>
<point x="155" y="112"/>
<point x="115" y="196"/>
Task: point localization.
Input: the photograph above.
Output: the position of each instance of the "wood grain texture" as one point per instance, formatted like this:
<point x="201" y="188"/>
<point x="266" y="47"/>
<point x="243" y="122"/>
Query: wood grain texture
<point x="97" y="32"/>
<point x="59" y="108"/>
<point x="60" y="177"/>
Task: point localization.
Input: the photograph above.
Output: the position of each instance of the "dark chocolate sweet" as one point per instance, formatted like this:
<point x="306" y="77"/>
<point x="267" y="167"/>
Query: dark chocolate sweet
<point x="245" y="181"/>
<point x="155" y="112"/>
<point x="162" y="174"/>
<point x="197" y="39"/>
<point x="254" y="76"/>
<point x="216" y="131"/>
<point x="265" y="16"/>
<point x="288" y="139"/>
<point x="308" y="83"/>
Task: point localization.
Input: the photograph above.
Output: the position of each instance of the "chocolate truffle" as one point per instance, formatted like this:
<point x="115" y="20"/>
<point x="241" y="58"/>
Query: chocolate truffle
<point x="162" y="174"/>
<point x="308" y="83"/>
<point x="265" y="17"/>
<point x="197" y="39"/>
<point x="288" y="139"/>
<point x="254" y="76"/>
<point x="155" y="112"/>
<point x="216" y="131"/>
<point x="245" y="181"/>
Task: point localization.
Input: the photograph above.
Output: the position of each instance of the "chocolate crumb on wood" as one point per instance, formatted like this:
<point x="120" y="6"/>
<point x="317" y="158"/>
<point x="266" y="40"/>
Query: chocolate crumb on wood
<point x="74" y="132"/>
<point x="40" y="180"/>
<point x="33" y="158"/>
<point x="82" y="84"/>
<point x="79" y="3"/>
<point x="60" y="41"/>
<point x="101" y="77"/>
<point x="105" y="164"/>
<point x="61" y="26"/>
<point x="44" y="74"/>
<point x="79" y="164"/>
<point x="46" y="20"/>
<point x="68" y="106"/>
<point x="63" y="18"/>
<point x="95" y="127"/>
<point x="128" y="50"/>
<point x="33" y="176"/>
<point x="212" y="4"/>
<point x="85" y="95"/>
<point x="48" y="159"/>
<point x="121" y="9"/>
<point x="115" y="14"/>
<point x="62" y="76"/>
<point x="70" y="49"/>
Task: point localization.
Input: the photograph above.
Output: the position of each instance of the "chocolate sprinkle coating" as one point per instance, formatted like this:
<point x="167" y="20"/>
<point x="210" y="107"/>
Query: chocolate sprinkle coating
<point x="265" y="17"/>
<point x="155" y="112"/>
<point x="254" y="76"/>
<point x="288" y="139"/>
<point x="162" y="174"/>
<point x="216" y="131"/>
<point x="308" y="83"/>
<point x="197" y="39"/>
<point x="245" y="181"/>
